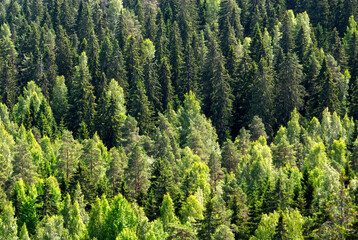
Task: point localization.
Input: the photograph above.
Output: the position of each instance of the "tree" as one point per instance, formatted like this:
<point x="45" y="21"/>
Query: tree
<point x="262" y="94"/>
<point x="139" y="106"/>
<point x="219" y="102"/>
<point x="267" y="226"/>
<point x="24" y="235"/>
<point x="210" y="222"/>
<point x="191" y="210"/>
<point x="137" y="171"/>
<point x="111" y="114"/>
<point x="115" y="173"/>
<point x="223" y="232"/>
<point x="24" y="166"/>
<point x="82" y="99"/>
<point x="176" y="57"/>
<point x="59" y="103"/>
<point x="326" y="93"/>
<point x="167" y="214"/>
<point x="166" y="83"/>
<point x="151" y="79"/>
<point x="161" y="184"/>
<point x="257" y="129"/>
<point x="63" y="55"/>
<point x="114" y="11"/>
<point x="96" y="221"/>
<point x="92" y="158"/>
<point x="76" y="226"/>
<point x="283" y="151"/>
<point x="49" y="198"/>
<point x="230" y="156"/>
<point x="8" y="227"/>
<point x="8" y="77"/>
<point x="52" y="228"/>
<point x="69" y="152"/>
<point x="290" y="91"/>
<point x="229" y="17"/>
<point x="119" y="217"/>
<point x="84" y="21"/>
<point x="7" y="147"/>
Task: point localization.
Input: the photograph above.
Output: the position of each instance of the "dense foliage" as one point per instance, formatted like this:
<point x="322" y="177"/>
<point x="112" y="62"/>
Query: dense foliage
<point x="178" y="119"/>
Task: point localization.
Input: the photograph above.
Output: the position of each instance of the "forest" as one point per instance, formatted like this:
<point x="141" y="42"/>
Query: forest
<point x="178" y="119"/>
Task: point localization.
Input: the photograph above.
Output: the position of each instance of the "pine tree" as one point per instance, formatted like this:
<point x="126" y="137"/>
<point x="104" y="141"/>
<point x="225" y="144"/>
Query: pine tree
<point x="137" y="170"/>
<point x="190" y="73"/>
<point x="92" y="158"/>
<point x="24" y="235"/>
<point x="69" y="152"/>
<point x="96" y="221"/>
<point x="59" y="103"/>
<point x="229" y="20"/>
<point x="24" y="166"/>
<point x="217" y="90"/>
<point x="93" y="62"/>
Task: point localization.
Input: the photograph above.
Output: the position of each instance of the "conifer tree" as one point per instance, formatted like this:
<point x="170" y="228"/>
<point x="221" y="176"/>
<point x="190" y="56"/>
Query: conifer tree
<point x="210" y="222"/>
<point x="166" y="83"/>
<point x="8" y="66"/>
<point x="76" y="226"/>
<point x="262" y="93"/>
<point x="230" y="156"/>
<point x="82" y="99"/>
<point x="137" y="170"/>
<point x="176" y="57"/>
<point x="151" y="76"/>
<point x="167" y="214"/>
<point x="8" y="227"/>
<point x="326" y="93"/>
<point x="290" y="91"/>
<point x="84" y="21"/>
<point x="63" y="55"/>
<point x="117" y="68"/>
<point x="161" y="184"/>
<point x="111" y="114"/>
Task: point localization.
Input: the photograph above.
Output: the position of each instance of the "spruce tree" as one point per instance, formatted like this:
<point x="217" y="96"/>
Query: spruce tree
<point x="82" y="99"/>
<point x="326" y="93"/>
<point x="290" y="91"/>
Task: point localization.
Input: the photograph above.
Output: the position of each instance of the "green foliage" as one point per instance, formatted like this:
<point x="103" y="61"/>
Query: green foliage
<point x="155" y="95"/>
<point x="8" y="227"/>
<point x="120" y="219"/>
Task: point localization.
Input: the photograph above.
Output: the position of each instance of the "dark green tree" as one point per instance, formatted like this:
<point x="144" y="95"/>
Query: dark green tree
<point x="289" y="88"/>
<point x="82" y="99"/>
